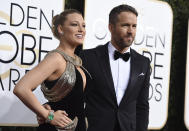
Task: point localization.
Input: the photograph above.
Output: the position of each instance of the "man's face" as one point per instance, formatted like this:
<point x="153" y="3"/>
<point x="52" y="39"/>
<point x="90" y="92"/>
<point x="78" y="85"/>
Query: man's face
<point x="124" y="30"/>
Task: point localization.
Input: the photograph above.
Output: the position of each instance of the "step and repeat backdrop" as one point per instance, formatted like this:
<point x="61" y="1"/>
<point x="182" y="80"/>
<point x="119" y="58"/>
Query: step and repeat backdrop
<point x="25" y="37"/>
<point x="186" y="110"/>
<point x="153" y="39"/>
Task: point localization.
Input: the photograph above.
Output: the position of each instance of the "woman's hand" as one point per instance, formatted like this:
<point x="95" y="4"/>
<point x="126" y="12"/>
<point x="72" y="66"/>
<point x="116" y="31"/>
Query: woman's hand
<point x="40" y="119"/>
<point x="61" y="119"/>
<point x="57" y="118"/>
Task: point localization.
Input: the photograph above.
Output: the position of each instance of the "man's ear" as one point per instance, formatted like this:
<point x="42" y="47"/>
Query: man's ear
<point x="111" y="27"/>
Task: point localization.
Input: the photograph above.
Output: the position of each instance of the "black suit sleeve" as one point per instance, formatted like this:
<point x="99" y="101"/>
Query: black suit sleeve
<point x="142" y="107"/>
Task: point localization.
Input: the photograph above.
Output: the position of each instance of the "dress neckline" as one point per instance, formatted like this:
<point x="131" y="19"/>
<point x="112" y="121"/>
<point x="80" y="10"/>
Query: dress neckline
<point x="75" y="61"/>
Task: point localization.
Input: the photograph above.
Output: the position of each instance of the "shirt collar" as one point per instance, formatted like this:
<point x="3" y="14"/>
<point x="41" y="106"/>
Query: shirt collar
<point x="111" y="49"/>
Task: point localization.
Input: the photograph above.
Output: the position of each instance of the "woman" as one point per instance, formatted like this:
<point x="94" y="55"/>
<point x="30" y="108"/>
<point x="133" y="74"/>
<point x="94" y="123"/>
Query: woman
<point x="61" y="76"/>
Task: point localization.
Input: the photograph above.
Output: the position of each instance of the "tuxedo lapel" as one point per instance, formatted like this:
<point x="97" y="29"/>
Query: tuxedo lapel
<point x="135" y="70"/>
<point x="104" y="62"/>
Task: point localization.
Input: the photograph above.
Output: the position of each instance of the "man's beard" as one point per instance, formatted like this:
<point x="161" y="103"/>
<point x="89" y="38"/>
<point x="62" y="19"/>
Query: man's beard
<point x="122" y="44"/>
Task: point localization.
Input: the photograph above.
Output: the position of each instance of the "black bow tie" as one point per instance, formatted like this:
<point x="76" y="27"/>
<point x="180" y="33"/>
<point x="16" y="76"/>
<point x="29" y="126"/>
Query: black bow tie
<point x="124" y="56"/>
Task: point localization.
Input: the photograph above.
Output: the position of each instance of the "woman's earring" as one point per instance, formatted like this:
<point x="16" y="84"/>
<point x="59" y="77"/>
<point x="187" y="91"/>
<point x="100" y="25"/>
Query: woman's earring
<point x="62" y="33"/>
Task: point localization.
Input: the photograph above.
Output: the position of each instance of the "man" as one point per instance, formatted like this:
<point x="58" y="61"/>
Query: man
<point x="117" y="95"/>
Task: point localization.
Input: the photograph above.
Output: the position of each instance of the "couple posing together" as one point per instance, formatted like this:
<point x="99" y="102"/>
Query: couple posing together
<point x="102" y="89"/>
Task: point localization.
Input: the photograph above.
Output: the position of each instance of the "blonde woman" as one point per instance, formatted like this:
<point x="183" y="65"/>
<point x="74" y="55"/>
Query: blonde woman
<point x="61" y="76"/>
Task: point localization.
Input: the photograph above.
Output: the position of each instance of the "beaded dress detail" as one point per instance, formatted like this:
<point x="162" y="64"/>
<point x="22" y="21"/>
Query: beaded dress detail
<point x="66" y="82"/>
<point x="66" y="93"/>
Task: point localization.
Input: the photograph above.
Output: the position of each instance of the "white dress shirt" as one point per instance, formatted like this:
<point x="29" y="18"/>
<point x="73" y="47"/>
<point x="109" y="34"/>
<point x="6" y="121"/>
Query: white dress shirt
<point x="120" y="72"/>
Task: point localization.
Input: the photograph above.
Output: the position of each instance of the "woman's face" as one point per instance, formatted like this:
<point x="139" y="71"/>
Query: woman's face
<point x="74" y="29"/>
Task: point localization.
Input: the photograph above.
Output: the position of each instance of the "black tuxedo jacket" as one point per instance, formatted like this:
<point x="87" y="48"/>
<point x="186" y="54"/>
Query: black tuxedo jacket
<point x="102" y="109"/>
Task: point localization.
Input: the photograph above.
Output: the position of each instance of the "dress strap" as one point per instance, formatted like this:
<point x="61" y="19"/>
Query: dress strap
<point x="75" y="61"/>
<point x="86" y="71"/>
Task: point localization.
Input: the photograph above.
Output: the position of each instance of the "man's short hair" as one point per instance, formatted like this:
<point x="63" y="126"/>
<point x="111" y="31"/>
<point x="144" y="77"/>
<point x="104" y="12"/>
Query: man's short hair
<point x="117" y="10"/>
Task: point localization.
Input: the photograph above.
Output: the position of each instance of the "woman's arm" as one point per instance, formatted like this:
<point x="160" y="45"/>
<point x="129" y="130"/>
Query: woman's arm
<point x="23" y="89"/>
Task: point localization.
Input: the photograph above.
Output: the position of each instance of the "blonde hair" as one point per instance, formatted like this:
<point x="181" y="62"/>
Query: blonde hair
<point x="60" y="19"/>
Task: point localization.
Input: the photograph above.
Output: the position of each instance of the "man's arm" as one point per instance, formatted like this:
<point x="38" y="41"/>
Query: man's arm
<point x="142" y="107"/>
